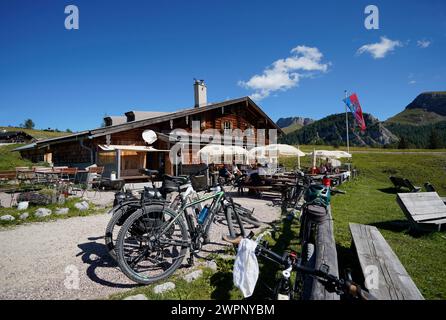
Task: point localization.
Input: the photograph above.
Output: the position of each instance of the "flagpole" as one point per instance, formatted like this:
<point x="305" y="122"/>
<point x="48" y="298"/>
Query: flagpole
<point x="346" y="123"/>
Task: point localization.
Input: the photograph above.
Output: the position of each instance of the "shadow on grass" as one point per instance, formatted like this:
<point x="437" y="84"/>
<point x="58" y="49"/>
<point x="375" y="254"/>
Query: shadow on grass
<point x="393" y="225"/>
<point x="390" y="190"/>
<point x="223" y="283"/>
<point x="405" y="227"/>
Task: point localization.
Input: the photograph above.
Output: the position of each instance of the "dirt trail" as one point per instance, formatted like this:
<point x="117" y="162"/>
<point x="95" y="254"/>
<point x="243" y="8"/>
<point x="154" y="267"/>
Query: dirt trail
<point x="37" y="260"/>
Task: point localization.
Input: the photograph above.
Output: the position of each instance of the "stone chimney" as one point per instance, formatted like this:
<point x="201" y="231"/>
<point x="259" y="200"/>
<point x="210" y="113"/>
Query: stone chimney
<point x="200" y="93"/>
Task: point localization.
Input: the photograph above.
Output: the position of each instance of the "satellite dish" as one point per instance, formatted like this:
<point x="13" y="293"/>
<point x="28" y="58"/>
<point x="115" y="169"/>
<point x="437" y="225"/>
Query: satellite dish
<point x="149" y="136"/>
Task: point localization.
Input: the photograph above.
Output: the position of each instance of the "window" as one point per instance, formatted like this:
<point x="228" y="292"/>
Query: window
<point x="227" y="125"/>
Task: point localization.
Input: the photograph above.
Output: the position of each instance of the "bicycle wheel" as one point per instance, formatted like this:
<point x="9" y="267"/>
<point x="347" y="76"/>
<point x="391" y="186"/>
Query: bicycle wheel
<point x="145" y="253"/>
<point x="235" y="224"/>
<point x="113" y="227"/>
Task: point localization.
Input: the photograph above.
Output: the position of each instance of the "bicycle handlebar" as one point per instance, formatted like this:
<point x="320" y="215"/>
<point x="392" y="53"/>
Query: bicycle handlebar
<point x="331" y="282"/>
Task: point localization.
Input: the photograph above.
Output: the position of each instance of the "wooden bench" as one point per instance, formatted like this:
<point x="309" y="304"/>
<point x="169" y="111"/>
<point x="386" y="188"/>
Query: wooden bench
<point x="423" y="209"/>
<point x="394" y="283"/>
<point x="403" y="183"/>
<point x="325" y="253"/>
<point x="8" y="175"/>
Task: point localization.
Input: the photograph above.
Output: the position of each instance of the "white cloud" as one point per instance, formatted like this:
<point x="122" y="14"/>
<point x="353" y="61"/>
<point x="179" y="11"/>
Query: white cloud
<point x="284" y="74"/>
<point x="412" y="82"/>
<point x="380" y="49"/>
<point x="423" y="43"/>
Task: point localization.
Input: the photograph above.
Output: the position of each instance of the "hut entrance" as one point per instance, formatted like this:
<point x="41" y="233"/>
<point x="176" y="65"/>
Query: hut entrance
<point x="131" y="162"/>
<point x="127" y="161"/>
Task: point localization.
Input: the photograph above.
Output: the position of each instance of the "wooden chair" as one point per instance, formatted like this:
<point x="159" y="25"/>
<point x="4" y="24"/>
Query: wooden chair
<point x="67" y="177"/>
<point x="95" y="177"/>
<point x="430" y="188"/>
<point x="403" y="183"/>
<point x="43" y="175"/>
<point x="394" y="283"/>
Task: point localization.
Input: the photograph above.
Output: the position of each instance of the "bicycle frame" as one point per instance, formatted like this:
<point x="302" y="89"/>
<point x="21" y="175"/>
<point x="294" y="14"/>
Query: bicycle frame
<point x="183" y="209"/>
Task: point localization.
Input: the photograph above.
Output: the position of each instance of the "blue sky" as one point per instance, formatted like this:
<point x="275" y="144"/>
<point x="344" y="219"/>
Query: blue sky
<point x="143" y="55"/>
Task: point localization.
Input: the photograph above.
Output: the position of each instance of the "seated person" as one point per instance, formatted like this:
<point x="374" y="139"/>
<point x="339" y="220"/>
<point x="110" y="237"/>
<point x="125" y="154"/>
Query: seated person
<point x="254" y="178"/>
<point x="235" y="170"/>
<point x="263" y="169"/>
<point x="329" y="167"/>
<point x="315" y="170"/>
<point x="323" y="169"/>
<point x="225" y="173"/>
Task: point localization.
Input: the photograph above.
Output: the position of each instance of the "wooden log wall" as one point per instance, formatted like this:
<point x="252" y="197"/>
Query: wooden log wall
<point x="69" y="153"/>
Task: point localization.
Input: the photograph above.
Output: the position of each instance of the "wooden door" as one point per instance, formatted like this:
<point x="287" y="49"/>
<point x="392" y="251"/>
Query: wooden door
<point x="131" y="162"/>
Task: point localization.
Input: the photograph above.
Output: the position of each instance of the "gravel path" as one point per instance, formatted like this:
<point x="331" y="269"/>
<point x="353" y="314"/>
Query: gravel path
<point x="40" y="260"/>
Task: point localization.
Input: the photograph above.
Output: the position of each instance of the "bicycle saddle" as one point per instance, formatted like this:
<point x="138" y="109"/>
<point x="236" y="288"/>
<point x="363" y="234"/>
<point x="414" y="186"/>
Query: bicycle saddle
<point x="171" y="183"/>
<point x="176" y="179"/>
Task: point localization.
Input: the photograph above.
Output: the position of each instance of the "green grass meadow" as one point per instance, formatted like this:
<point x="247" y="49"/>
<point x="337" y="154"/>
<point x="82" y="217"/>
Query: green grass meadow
<point x="371" y="200"/>
<point x="9" y="159"/>
<point x="38" y="134"/>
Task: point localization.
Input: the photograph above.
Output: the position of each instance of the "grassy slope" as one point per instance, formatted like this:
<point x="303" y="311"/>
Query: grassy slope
<point x="9" y="160"/>
<point x="38" y="134"/>
<point x="291" y="128"/>
<point x="415" y="117"/>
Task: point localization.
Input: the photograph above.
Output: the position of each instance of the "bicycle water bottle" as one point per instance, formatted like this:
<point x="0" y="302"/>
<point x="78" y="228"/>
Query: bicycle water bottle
<point x="203" y="214"/>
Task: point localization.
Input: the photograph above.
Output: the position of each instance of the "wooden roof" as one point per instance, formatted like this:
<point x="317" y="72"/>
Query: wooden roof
<point x="153" y="120"/>
<point x="178" y="114"/>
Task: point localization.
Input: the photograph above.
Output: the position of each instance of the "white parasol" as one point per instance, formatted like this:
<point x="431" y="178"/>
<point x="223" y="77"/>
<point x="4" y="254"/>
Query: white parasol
<point x="216" y="150"/>
<point x="275" y="150"/>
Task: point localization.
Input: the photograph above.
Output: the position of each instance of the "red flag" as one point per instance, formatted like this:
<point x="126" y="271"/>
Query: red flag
<point x="352" y="103"/>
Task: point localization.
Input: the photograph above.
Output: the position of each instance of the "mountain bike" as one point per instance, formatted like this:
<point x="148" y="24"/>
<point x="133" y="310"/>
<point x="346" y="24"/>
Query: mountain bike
<point x="313" y="211"/>
<point x="154" y="240"/>
<point x="285" y="289"/>
<point x="126" y="203"/>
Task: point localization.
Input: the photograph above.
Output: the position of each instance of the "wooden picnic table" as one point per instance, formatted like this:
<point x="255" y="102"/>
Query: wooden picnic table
<point x="423" y="209"/>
